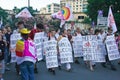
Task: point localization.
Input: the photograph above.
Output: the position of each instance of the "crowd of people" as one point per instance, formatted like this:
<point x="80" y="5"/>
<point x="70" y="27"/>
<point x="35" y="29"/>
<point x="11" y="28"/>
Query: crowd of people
<point x="26" y="63"/>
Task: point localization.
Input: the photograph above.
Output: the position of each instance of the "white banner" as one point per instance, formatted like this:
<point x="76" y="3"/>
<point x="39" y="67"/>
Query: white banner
<point x="38" y="39"/>
<point x="13" y="40"/>
<point x="77" y="46"/>
<point x="89" y="47"/>
<point x="50" y="48"/>
<point x="102" y="21"/>
<point x="112" y="48"/>
<point x="100" y="55"/>
<point x="65" y="50"/>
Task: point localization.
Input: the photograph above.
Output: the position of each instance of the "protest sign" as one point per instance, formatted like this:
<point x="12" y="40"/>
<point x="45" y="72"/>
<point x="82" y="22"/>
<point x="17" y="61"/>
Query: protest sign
<point x="112" y="48"/>
<point x="100" y="55"/>
<point x="89" y="47"/>
<point x="77" y="46"/>
<point x="13" y="40"/>
<point x="38" y="39"/>
<point x="65" y="50"/>
<point x="50" y="48"/>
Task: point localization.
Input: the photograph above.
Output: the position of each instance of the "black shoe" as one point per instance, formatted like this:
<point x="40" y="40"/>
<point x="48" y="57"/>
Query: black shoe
<point x="69" y="70"/>
<point x="119" y="63"/>
<point x="77" y="62"/>
<point x="53" y="72"/>
<point x="113" y="68"/>
<point x="35" y="70"/>
<point x="103" y="65"/>
<point x="94" y="66"/>
<point x="59" y="67"/>
<point x="50" y="70"/>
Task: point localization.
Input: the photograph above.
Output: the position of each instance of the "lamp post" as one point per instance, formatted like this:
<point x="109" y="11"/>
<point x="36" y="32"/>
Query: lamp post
<point x="28" y="3"/>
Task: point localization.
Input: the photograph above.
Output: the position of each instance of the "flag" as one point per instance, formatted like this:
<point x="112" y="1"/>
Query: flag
<point x="34" y="25"/>
<point x="64" y="15"/>
<point x="62" y="23"/>
<point x="111" y="21"/>
<point x="1" y="22"/>
<point x="58" y="15"/>
<point x="24" y="14"/>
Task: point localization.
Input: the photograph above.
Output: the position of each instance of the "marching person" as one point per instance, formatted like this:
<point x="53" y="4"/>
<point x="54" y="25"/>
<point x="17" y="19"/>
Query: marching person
<point x="8" y="35"/>
<point x="77" y="33"/>
<point x="91" y="63"/>
<point x="51" y="36"/>
<point x="106" y="56"/>
<point x="39" y="28"/>
<point x="26" y="55"/>
<point x="20" y="25"/>
<point x="2" y="51"/>
<point x="68" y="65"/>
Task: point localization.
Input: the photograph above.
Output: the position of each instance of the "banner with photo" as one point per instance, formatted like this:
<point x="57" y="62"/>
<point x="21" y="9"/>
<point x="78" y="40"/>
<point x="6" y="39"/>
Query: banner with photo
<point x="65" y="50"/>
<point x="50" y="48"/>
<point x="90" y="45"/>
<point x="112" y="48"/>
<point x="38" y="39"/>
<point x="78" y="46"/>
<point x="13" y="39"/>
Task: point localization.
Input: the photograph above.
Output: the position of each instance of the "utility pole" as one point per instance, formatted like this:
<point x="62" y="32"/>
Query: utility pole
<point x="28" y="3"/>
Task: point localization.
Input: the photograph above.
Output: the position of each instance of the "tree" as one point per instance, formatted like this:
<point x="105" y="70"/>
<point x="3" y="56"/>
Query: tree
<point x="16" y="10"/>
<point x="95" y="5"/>
<point x="4" y="15"/>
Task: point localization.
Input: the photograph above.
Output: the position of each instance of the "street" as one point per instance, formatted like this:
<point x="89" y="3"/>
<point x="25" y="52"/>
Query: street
<point x="79" y="72"/>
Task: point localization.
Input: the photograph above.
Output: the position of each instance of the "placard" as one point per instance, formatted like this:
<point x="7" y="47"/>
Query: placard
<point x="90" y="45"/>
<point x="13" y="39"/>
<point x="38" y="39"/>
<point x="78" y="46"/>
<point x="100" y="55"/>
<point x="65" y="50"/>
<point x="112" y="48"/>
<point x="50" y="48"/>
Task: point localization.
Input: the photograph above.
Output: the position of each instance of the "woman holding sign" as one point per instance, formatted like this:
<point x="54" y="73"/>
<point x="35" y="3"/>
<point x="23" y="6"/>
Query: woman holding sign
<point x="110" y="32"/>
<point x="89" y="50"/>
<point x="26" y="55"/>
<point x="50" y="48"/>
<point x="65" y="50"/>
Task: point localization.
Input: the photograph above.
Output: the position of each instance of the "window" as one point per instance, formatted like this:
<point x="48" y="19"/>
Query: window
<point x="80" y="17"/>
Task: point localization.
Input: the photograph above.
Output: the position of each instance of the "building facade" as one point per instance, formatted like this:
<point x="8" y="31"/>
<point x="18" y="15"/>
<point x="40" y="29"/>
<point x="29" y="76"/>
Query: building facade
<point x="51" y="8"/>
<point x="76" y="5"/>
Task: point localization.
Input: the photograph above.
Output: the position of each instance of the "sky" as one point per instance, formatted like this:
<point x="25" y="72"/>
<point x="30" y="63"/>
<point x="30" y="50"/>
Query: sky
<point x="9" y="4"/>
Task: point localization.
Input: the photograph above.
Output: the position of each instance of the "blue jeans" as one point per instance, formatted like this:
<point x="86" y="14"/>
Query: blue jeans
<point x="6" y="55"/>
<point x="27" y="70"/>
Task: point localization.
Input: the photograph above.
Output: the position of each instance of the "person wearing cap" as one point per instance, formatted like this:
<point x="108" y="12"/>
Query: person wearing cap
<point x="26" y="55"/>
<point x="39" y="28"/>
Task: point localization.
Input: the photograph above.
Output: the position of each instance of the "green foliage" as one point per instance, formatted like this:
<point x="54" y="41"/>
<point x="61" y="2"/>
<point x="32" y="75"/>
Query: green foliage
<point x="4" y="15"/>
<point x="95" y="5"/>
<point x="86" y="20"/>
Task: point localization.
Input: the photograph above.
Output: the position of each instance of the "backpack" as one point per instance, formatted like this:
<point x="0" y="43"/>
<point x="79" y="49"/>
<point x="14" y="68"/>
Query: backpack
<point x="2" y="47"/>
<point x="19" y="48"/>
